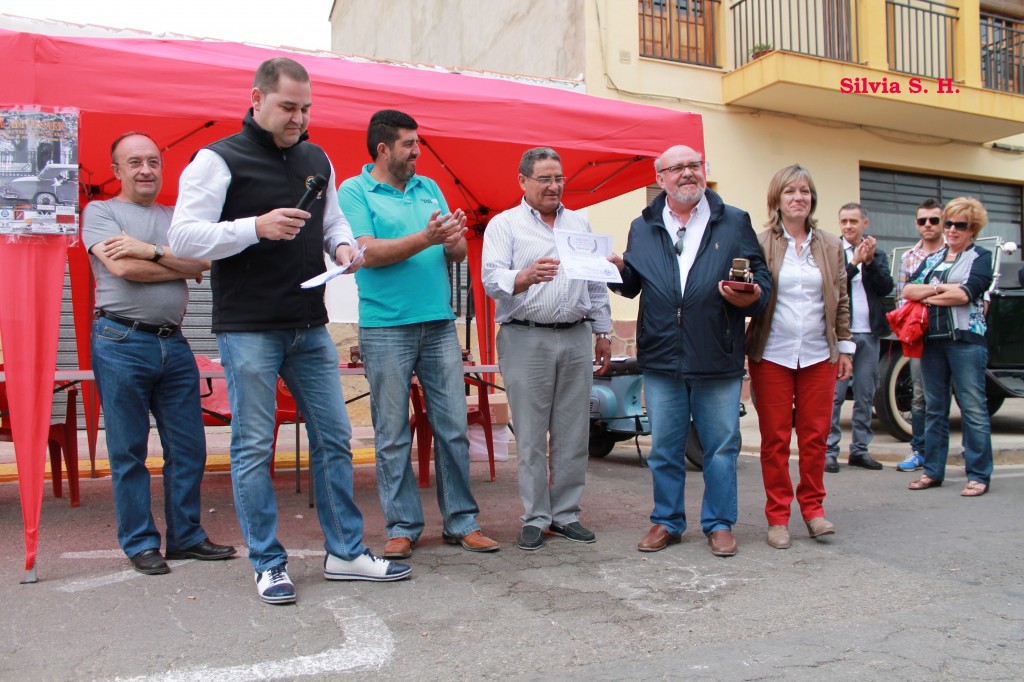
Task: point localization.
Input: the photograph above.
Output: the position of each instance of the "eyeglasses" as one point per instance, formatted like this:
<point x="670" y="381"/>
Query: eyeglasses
<point x="931" y="220"/>
<point x="136" y="164"/>
<point x="694" y="167"/>
<point x="680" y="233"/>
<point x="959" y="225"/>
<point x="548" y="179"/>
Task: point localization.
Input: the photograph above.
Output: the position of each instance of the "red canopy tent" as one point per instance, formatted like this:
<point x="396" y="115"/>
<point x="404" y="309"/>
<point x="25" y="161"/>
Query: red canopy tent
<point x="187" y="93"/>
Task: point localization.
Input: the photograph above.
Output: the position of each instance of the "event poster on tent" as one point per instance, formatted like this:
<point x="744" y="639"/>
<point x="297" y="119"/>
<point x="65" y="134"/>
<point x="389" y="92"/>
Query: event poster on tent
<point x="38" y="172"/>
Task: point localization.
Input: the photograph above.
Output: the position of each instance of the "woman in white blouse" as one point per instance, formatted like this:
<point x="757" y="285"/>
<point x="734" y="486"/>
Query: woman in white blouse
<point x="796" y="350"/>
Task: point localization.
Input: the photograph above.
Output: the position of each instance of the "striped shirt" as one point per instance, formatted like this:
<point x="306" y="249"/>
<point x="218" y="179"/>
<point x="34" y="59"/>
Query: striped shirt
<point x="513" y="240"/>
<point x="909" y="263"/>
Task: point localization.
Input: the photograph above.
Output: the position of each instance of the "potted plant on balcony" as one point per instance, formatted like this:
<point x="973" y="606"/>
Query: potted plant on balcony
<point x="760" y="50"/>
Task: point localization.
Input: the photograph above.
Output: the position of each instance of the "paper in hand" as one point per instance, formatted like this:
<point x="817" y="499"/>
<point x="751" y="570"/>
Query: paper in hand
<point x="332" y="273"/>
<point x="584" y="255"/>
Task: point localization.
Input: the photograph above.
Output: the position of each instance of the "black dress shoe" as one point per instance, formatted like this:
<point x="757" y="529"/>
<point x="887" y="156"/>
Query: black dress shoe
<point x="831" y="465"/>
<point x="530" y="538"/>
<point x="150" y="562"/>
<point x="865" y="462"/>
<point x="203" y="551"/>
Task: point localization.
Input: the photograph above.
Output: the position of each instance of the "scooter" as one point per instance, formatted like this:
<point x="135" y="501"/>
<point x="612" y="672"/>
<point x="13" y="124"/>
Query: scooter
<point x="617" y="413"/>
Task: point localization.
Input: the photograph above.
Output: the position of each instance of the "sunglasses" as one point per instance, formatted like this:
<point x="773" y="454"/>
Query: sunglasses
<point x="933" y="220"/>
<point x="959" y="225"/>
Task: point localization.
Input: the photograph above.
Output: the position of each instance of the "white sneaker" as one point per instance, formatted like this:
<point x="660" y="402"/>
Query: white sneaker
<point x="364" y="567"/>
<point x="274" y="586"/>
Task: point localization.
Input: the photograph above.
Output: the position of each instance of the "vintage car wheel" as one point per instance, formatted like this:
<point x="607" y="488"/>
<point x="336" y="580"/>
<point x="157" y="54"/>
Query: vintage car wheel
<point x="895" y="394"/>
<point x="601" y="442"/>
<point x="45" y="199"/>
<point x="695" y="451"/>
<point x="992" y="402"/>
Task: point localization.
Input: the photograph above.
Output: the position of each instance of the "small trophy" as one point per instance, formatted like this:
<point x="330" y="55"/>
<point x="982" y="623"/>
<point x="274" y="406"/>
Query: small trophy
<point x="740" y="276"/>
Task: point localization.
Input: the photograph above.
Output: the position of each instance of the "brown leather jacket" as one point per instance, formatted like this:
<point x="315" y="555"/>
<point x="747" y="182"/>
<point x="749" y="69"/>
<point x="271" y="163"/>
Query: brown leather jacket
<point x="827" y="251"/>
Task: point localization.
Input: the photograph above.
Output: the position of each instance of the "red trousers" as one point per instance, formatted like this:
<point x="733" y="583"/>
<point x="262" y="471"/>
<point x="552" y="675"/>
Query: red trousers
<point x="783" y="395"/>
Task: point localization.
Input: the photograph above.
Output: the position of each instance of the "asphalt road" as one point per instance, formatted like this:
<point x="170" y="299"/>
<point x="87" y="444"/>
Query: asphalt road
<point x="915" y="586"/>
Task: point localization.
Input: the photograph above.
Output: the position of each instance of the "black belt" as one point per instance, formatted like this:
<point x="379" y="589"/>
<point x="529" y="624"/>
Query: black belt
<point x="547" y="325"/>
<point x="161" y="330"/>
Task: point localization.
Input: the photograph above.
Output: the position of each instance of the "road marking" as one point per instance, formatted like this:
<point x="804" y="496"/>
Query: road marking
<point x="131" y="574"/>
<point x="94" y="554"/>
<point x="369" y="645"/>
<point x="110" y="578"/>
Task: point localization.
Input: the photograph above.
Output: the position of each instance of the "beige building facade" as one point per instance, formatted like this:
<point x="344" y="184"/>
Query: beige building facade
<point x="885" y="103"/>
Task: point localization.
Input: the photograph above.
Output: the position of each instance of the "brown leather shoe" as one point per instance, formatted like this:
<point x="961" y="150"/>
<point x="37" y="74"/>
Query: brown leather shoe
<point x="722" y="543"/>
<point x="474" y="542"/>
<point x="397" y="548"/>
<point x="778" y="537"/>
<point x="820" y="526"/>
<point x="657" y="539"/>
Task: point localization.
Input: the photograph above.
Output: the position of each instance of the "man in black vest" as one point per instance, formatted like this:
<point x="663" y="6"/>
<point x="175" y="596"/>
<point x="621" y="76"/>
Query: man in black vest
<point x="234" y="208"/>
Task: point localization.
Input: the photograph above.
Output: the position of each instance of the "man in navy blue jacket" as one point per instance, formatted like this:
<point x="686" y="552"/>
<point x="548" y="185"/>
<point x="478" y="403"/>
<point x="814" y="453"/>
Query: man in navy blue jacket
<point x="690" y="340"/>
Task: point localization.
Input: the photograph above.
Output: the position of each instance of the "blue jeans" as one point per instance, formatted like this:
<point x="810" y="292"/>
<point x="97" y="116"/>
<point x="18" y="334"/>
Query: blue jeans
<point x="432" y="351"/>
<point x="138" y="373"/>
<point x="308" y="362"/>
<point x="945" y="362"/>
<point x="917" y="408"/>
<point x="714" y="406"/>
<point x="865" y="380"/>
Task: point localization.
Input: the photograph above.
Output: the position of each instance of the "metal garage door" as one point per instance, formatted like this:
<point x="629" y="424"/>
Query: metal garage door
<point x="196" y="328"/>
<point x="891" y="199"/>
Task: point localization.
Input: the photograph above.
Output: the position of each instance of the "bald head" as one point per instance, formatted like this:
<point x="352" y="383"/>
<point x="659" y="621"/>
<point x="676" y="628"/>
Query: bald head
<point x="680" y="172"/>
<point x="671" y="152"/>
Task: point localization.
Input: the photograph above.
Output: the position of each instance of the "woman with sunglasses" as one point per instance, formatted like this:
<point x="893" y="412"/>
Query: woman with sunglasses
<point x="952" y="283"/>
<point x="797" y="348"/>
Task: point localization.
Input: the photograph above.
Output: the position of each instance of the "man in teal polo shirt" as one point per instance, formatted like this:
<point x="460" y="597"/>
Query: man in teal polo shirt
<point x="406" y="325"/>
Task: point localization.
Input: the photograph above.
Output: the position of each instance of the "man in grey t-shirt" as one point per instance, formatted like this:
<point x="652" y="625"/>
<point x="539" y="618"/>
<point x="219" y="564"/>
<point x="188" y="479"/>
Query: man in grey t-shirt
<point x="143" y="363"/>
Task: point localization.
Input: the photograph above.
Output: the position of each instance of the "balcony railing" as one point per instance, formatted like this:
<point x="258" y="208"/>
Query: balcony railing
<point x="1002" y="54"/>
<point x="678" y="30"/>
<point x="819" y="28"/>
<point x="920" y="37"/>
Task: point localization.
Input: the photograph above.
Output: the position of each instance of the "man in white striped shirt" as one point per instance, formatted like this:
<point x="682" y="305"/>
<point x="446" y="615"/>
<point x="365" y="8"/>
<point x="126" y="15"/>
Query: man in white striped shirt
<point x="544" y="348"/>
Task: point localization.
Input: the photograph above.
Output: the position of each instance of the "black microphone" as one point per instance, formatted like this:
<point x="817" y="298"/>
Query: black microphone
<point x="314" y="186"/>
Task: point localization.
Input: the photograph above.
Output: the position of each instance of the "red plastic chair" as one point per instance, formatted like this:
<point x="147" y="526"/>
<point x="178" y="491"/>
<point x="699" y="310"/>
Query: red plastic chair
<point x="287" y="413"/>
<point x="62" y="437"/>
<point x="420" y="425"/>
<point x="217" y="409"/>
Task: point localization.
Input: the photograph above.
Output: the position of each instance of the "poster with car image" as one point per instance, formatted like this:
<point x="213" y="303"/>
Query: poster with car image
<point x="38" y="172"/>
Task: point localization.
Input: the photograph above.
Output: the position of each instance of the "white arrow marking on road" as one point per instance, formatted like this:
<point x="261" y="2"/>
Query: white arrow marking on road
<point x="368" y="645"/>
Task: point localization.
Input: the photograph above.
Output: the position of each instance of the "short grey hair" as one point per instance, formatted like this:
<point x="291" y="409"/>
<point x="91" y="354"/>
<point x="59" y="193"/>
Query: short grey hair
<point x="854" y="206"/>
<point x="532" y="156"/>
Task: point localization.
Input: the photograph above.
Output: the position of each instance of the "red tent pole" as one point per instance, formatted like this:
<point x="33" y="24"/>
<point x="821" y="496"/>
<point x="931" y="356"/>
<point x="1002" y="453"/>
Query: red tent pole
<point x="483" y="305"/>
<point x="83" y="299"/>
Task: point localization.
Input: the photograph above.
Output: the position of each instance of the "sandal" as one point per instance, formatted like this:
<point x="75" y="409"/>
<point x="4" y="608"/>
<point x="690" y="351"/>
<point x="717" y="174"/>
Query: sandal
<point x="974" y="489"/>
<point x="924" y="482"/>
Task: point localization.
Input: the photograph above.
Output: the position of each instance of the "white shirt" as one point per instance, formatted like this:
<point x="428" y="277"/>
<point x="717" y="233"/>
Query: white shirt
<point x="513" y="240"/>
<point x="860" y="322"/>
<point x="696" y="224"/>
<point x="195" y="231"/>
<point x="797" y="337"/>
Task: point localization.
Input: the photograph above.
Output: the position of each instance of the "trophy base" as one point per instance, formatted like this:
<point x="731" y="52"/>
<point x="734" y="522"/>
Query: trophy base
<point x="738" y="286"/>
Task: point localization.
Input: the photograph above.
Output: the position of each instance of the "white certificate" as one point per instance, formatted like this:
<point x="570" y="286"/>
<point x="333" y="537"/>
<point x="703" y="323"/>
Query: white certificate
<point x="584" y="255"/>
<point x="332" y="273"/>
